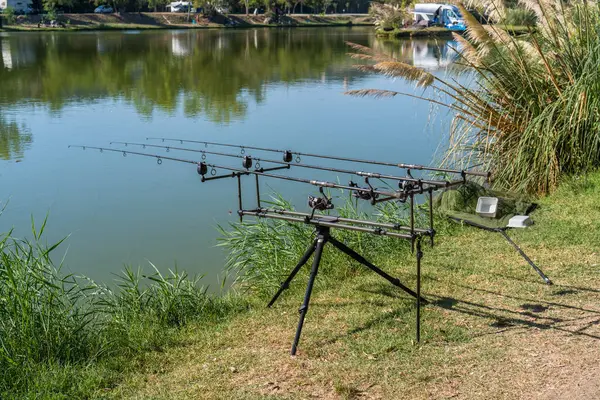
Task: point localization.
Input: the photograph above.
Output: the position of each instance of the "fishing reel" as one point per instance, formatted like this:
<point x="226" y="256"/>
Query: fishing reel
<point x="406" y="187"/>
<point x="247" y="162"/>
<point x="202" y="168"/>
<point x="319" y="203"/>
<point x="366" y="194"/>
<point x="288" y="156"/>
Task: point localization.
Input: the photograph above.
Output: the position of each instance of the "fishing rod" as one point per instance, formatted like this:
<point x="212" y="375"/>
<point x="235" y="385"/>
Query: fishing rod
<point x="319" y="221"/>
<point x="288" y="154"/>
<point x="236" y="172"/>
<point x="364" y="174"/>
<point x="394" y="226"/>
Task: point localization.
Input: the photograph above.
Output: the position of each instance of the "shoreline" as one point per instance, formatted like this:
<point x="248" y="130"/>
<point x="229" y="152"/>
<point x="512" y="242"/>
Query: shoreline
<point x="439" y="32"/>
<point x="163" y="21"/>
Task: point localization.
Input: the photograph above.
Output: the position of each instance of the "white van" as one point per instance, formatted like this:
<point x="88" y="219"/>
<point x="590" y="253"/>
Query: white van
<point x="179" y="6"/>
<point x="446" y="15"/>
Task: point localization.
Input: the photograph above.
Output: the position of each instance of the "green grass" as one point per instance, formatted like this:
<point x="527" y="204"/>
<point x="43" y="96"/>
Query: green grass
<point x="162" y="337"/>
<point x="65" y="336"/>
<point x="489" y="314"/>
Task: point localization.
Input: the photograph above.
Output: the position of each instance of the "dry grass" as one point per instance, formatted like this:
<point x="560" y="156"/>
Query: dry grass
<point x="493" y="330"/>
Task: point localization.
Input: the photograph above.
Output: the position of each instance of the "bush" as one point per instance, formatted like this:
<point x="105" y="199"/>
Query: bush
<point x="50" y="15"/>
<point x="388" y="16"/>
<point x="519" y="17"/>
<point x="10" y="15"/>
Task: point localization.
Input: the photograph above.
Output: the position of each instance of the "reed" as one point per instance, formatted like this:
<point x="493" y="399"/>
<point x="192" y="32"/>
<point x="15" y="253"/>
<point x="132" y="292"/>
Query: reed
<point x="57" y="330"/>
<point x="530" y="114"/>
<point x="262" y="252"/>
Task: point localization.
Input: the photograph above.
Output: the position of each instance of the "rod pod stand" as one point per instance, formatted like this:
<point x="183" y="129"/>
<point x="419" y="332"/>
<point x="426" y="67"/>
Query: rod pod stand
<point x="323" y="237"/>
<point x="502" y="232"/>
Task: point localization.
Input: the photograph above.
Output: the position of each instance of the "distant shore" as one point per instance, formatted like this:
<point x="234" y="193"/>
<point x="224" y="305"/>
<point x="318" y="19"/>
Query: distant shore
<point x="150" y="21"/>
<point x="435" y="31"/>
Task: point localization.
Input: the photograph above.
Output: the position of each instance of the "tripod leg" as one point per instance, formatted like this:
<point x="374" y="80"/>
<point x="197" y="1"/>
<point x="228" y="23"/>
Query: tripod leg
<point x="419" y="256"/>
<point x="321" y="240"/>
<point x="522" y="253"/>
<point x="302" y="261"/>
<point x="394" y="281"/>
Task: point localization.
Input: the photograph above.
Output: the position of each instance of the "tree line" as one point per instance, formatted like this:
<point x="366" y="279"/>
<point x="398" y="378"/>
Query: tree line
<point x="231" y="6"/>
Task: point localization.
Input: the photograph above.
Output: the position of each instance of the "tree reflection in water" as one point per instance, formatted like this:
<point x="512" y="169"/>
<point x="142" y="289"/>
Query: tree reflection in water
<point x="211" y="73"/>
<point x="14" y="139"/>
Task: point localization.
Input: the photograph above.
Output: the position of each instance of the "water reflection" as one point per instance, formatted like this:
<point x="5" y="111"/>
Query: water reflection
<point x="214" y="74"/>
<point x="14" y="139"/>
<point x="211" y="73"/>
<point x="429" y="54"/>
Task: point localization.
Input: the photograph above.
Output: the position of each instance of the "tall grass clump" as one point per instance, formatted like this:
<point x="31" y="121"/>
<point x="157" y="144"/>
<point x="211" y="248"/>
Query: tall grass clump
<point x="261" y="253"/>
<point x="519" y="17"/>
<point x="531" y="113"/>
<point x="68" y="336"/>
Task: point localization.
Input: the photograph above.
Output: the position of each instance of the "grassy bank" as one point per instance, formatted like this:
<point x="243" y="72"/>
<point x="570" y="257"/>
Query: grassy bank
<point x="492" y="330"/>
<point x="150" y="21"/>
<point x="63" y="336"/>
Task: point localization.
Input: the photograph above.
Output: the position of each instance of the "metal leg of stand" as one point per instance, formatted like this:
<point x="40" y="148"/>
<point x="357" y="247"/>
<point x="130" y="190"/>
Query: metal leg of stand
<point x="321" y="240"/>
<point x="394" y="281"/>
<point x="529" y="261"/>
<point x="419" y="256"/>
<point x="286" y="284"/>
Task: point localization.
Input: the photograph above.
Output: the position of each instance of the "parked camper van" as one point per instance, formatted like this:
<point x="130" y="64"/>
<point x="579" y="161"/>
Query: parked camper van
<point x="20" y="6"/>
<point x="179" y="6"/>
<point x="446" y="15"/>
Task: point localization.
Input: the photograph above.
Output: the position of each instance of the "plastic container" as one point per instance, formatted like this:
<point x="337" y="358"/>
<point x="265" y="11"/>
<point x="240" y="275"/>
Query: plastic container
<point x="487" y="206"/>
<point x="520" y="221"/>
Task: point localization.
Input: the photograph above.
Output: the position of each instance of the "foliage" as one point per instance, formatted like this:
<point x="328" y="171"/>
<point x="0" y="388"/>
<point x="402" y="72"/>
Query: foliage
<point x="50" y="6"/>
<point x="261" y="253"/>
<point x="10" y="15"/>
<point x="388" y="16"/>
<point x="55" y="327"/>
<point x="532" y="114"/>
<point x="50" y="14"/>
<point x="249" y="3"/>
<point x="156" y="4"/>
<point x="519" y="17"/>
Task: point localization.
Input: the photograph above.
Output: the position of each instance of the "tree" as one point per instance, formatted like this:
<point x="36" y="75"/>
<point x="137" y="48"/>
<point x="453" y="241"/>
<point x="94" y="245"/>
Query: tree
<point x="154" y="4"/>
<point x="249" y="3"/>
<point x="11" y="16"/>
<point x="50" y="6"/>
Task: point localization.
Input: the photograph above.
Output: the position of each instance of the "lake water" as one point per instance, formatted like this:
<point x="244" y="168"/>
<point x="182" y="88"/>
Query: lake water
<point x="279" y="88"/>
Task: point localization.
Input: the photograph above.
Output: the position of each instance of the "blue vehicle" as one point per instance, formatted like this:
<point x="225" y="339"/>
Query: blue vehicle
<point x="446" y="15"/>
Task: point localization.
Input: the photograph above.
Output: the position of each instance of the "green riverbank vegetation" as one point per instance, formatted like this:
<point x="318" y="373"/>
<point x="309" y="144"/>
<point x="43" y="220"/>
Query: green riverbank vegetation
<point x="163" y="336"/>
<point x="532" y="114"/>
<point x="63" y="336"/>
<point x="492" y="328"/>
